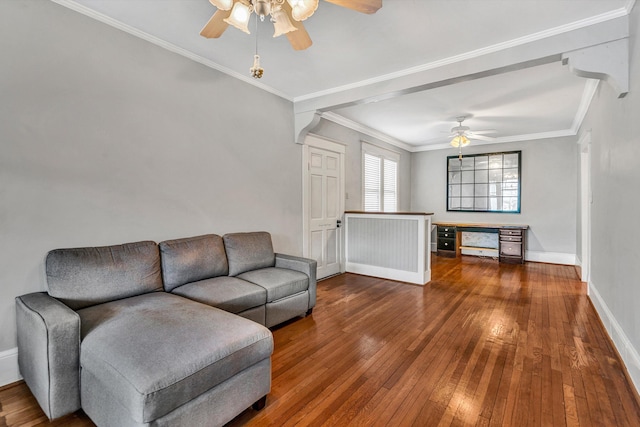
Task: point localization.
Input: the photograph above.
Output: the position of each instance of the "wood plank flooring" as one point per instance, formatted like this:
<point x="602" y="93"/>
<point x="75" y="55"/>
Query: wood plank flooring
<point x="482" y="344"/>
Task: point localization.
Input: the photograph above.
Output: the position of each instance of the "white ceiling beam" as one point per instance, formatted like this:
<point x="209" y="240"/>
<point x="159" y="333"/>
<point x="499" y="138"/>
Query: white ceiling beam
<point x="527" y="52"/>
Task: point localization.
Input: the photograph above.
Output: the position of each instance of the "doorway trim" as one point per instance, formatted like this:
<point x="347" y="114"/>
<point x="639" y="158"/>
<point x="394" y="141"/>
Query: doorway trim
<point x="312" y="140"/>
<point x="585" y="207"/>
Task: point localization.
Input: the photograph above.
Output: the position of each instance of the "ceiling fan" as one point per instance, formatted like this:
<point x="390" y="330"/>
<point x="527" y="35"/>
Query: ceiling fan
<point x="286" y="16"/>
<point x="462" y="135"/>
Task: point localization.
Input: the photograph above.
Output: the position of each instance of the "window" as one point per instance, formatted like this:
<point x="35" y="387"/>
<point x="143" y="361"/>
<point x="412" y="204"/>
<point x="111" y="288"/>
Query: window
<point x="484" y="182"/>
<point x="380" y="179"/>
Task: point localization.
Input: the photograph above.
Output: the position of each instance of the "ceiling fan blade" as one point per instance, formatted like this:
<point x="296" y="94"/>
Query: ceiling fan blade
<point x="216" y="25"/>
<point x="299" y="39"/>
<point x="363" y="6"/>
<point x="483" y="132"/>
<point x="482" y="137"/>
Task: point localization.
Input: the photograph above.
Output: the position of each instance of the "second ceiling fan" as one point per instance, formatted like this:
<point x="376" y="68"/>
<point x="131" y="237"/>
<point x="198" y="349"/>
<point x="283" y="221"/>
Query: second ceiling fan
<point x="286" y="16"/>
<point x="462" y="135"/>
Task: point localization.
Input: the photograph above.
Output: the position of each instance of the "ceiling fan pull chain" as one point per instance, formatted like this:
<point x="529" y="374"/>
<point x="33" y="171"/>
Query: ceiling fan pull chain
<point x="256" y="71"/>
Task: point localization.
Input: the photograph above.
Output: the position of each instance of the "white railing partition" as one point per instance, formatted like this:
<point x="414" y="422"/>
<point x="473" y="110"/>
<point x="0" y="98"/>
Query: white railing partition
<point x="391" y="246"/>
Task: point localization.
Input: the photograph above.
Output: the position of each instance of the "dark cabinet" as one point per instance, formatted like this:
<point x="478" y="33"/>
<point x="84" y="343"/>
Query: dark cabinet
<point x="447" y="241"/>
<point x="512" y="245"/>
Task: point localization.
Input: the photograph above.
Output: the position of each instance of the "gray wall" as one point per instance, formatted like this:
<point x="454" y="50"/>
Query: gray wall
<point x="353" y="184"/>
<point x="615" y="176"/>
<point x="106" y="139"/>
<point x="548" y="197"/>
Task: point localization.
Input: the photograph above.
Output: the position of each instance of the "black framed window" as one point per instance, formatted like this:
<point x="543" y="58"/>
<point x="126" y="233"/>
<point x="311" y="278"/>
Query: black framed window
<point x="487" y="182"/>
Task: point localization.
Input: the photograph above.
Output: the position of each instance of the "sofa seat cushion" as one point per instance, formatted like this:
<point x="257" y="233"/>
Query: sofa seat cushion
<point x="155" y="352"/>
<point x="226" y="293"/>
<point x="279" y="282"/>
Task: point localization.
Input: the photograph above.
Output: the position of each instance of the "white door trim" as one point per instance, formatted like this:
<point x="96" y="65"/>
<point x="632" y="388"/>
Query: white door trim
<point x="328" y="145"/>
<point x="585" y="206"/>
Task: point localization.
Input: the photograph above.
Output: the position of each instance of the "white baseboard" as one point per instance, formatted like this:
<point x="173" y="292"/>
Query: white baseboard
<point x="535" y="256"/>
<point x="390" y="273"/>
<point x="551" y="257"/>
<point x="628" y="352"/>
<point x="9" y="372"/>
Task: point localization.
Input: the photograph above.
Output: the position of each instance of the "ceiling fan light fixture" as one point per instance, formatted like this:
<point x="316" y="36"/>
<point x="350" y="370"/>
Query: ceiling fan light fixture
<point x="262" y="8"/>
<point x="281" y="22"/>
<point x="239" y="17"/>
<point x="460" y="141"/>
<point x="302" y="9"/>
<point x="222" y="4"/>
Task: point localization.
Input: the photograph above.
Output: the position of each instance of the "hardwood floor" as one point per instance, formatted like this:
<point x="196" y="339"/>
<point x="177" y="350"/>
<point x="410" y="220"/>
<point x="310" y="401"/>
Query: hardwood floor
<point x="482" y="344"/>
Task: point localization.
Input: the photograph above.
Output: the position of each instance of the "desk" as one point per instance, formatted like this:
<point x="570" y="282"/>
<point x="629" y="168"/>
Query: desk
<point x="511" y="239"/>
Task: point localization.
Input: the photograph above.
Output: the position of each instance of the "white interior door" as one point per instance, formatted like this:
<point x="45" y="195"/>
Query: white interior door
<point x="324" y="207"/>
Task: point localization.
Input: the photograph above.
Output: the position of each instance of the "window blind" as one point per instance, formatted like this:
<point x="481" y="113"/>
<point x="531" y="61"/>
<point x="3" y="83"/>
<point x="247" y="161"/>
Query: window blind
<point x="390" y="185"/>
<point x="380" y="183"/>
<point x="372" y="179"/>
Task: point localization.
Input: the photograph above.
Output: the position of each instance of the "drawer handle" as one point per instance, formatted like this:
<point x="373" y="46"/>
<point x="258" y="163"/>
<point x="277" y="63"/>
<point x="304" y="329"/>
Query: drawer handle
<point x="446" y="244"/>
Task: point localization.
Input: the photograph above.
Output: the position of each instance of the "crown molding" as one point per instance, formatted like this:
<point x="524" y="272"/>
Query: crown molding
<point x="583" y="23"/>
<point x="358" y="127"/>
<point x="588" y="93"/>
<point x="70" y="4"/>
<point x="629" y="6"/>
<point x="626" y="10"/>
<point x="445" y="145"/>
<point x="502" y="140"/>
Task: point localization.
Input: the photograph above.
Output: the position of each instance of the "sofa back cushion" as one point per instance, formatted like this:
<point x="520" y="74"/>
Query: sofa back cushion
<point x="82" y="277"/>
<point x="192" y="259"/>
<point x="248" y="251"/>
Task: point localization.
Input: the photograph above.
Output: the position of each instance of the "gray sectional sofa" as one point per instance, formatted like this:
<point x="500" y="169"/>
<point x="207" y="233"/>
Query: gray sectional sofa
<point x="173" y="334"/>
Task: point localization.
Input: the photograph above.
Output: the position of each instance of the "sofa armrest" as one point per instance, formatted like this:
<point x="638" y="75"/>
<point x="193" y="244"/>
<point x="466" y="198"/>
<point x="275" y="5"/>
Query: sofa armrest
<point x="49" y="352"/>
<point x="303" y="265"/>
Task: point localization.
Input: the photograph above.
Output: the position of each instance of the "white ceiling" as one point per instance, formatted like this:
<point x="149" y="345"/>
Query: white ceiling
<point x="356" y="52"/>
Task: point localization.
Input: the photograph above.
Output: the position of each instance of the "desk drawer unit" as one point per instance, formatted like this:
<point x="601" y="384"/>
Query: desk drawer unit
<point x="512" y="245"/>
<point x="447" y="241"/>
